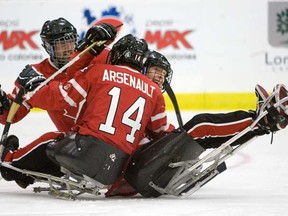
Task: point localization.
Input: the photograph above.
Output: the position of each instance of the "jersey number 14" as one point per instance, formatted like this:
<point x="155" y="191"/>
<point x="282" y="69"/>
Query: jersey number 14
<point x="135" y="125"/>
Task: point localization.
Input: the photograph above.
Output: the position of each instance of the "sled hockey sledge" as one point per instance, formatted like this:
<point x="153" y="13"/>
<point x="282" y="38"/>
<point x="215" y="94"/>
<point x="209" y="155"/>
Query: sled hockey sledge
<point x="190" y="175"/>
<point x="181" y="177"/>
<point x="69" y="186"/>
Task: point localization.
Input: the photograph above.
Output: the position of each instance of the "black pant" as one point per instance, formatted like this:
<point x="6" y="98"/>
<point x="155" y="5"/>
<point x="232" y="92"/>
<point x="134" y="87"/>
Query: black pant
<point x="212" y="124"/>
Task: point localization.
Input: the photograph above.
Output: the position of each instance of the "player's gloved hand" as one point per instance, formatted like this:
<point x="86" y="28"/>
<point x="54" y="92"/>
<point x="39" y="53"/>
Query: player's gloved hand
<point x="102" y="32"/>
<point x="29" y="78"/>
<point x="5" y="102"/>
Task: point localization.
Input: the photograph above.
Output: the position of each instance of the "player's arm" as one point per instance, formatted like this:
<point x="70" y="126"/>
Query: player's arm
<point x="158" y="124"/>
<point x="58" y="96"/>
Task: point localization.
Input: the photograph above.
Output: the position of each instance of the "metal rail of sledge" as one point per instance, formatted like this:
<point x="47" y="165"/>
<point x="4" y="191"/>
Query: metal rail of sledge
<point x="190" y="176"/>
<point x="69" y="186"/>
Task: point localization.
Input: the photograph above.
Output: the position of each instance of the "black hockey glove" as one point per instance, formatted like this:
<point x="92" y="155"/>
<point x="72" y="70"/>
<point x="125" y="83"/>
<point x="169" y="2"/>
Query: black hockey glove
<point x="5" y="102"/>
<point x="29" y="78"/>
<point x="103" y="31"/>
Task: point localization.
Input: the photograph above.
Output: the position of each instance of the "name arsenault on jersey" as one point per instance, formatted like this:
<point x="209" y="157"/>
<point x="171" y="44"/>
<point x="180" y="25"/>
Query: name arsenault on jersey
<point x="127" y="79"/>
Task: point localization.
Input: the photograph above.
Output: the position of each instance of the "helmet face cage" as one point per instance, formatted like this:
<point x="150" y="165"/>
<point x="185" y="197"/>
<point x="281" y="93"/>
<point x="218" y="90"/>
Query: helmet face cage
<point x="129" y="51"/>
<point x="159" y="60"/>
<point x="61" y="49"/>
<point x="59" y="39"/>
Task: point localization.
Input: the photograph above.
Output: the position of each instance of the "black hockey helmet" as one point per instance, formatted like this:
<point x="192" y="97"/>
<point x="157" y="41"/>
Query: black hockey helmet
<point x="157" y="59"/>
<point x="61" y="31"/>
<point x="130" y="51"/>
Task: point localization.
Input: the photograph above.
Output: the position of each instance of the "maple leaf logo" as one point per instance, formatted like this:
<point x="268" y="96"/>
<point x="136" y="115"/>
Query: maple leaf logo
<point x="282" y="22"/>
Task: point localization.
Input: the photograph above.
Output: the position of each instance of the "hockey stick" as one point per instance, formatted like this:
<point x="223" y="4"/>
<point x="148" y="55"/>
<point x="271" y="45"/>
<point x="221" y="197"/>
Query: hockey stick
<point x="174" y="102"/>
<point x="12" y="111"/>
<point x="71" y="62"/>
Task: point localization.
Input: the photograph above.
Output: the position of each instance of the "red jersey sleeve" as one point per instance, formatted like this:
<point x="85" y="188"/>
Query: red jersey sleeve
<point x="58" y="96"/>
<point x="158" y="124"/>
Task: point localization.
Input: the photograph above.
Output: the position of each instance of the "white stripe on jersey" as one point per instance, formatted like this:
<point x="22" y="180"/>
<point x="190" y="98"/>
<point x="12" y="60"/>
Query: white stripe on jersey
<point x="163" y="128"/>
<point x="78" y="88"/>
<point x="66" y="97"/>
<point x="158" y="116"/>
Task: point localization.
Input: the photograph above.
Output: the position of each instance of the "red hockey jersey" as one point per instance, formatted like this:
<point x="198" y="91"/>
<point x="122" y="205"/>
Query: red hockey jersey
<point x="120" y="103"/>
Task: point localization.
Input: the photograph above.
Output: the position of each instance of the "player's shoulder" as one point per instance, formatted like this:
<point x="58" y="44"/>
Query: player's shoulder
<point x="45" y="67"/>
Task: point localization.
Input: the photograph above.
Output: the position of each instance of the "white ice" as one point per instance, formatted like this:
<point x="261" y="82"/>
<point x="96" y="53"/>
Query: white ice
<point x="255" y="183"/>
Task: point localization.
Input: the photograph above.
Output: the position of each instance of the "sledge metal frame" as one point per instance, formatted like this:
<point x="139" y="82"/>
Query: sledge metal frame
<point x="192" y="175"/>
<point x="69" y="186"/>
<point x="189" y="178"/>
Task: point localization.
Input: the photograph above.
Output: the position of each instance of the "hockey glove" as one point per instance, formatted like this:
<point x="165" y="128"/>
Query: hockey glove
<point x="5" y="102"/>
<point x="29" y="78"/>
<point x="103" y="31"/>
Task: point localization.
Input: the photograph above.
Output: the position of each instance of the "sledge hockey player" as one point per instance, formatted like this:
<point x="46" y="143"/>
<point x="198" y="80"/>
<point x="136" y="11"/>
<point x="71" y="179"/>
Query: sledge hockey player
<point x="122" y="139"/>
<point x="207" y="129"/>
<point x="164" y="167"/>
<point x="212" y="129"/>
<point x="59" y="38"/>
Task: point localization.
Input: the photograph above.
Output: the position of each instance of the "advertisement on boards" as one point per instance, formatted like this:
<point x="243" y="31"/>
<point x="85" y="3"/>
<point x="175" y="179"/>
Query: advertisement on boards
<point x="214" y="48"/>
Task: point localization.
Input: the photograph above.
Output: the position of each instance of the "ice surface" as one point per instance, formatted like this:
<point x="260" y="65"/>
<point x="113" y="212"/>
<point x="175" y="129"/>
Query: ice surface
<point x="256" y="183"/>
